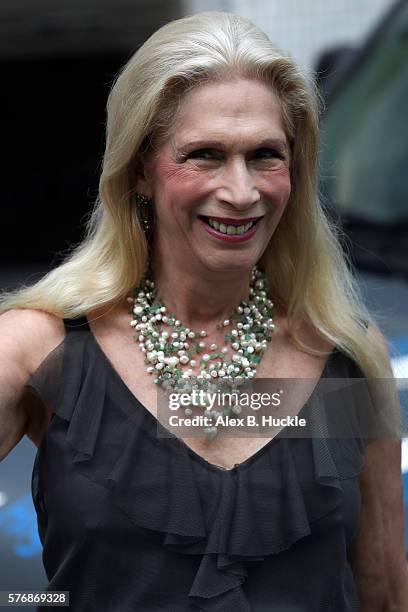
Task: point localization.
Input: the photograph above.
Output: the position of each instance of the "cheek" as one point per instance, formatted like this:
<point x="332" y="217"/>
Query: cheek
<point x="178" y="180"/>
<point x="277" y="186"/>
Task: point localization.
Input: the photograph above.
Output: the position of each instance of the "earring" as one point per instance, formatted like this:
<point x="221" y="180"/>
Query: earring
<point x="144" y="212"/>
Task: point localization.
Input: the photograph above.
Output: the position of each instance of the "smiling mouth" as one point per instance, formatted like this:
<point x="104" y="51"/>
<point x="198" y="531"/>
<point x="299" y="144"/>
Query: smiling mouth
<point x="230" y="226"/>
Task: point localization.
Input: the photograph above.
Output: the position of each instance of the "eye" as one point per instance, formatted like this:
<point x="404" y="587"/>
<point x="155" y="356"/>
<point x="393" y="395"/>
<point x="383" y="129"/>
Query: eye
<point x="203" y="154"/>
<point x="267" y="153"/>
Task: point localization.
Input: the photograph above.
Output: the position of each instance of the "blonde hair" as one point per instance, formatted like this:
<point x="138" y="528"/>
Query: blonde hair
<point x="308" y="272"/>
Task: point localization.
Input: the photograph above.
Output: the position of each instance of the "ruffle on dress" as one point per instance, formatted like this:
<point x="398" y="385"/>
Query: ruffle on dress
<point x="231" y="517"/>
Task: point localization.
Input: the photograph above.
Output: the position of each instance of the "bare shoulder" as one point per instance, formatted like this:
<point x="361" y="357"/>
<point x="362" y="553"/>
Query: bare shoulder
<point x="30" y="335"/>
<point x="26" y="337"/>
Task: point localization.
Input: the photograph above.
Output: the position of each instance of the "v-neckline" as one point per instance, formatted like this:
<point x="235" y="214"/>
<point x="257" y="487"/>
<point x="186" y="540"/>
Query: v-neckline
<point x="237" y="466"/>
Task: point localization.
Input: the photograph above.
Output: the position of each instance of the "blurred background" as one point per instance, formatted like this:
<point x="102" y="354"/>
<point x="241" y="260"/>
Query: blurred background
<point x="58" y="61"/>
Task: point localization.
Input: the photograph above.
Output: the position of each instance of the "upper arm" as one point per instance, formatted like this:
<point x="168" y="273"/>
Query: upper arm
<point x="377" y="555"/>
<point x="26" y="336"/>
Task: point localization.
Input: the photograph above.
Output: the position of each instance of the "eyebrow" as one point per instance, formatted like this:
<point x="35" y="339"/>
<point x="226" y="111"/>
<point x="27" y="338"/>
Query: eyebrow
<point x="207" y="143"/>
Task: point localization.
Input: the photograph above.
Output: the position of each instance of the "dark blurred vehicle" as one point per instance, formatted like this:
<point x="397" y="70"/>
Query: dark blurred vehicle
<point x="363" y="177"/>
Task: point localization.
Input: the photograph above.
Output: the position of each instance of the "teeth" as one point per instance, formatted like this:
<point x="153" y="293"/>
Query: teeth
<point x="230" y="229"/>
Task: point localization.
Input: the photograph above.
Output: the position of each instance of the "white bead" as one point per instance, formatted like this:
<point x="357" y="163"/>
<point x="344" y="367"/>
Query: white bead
<point x="226" y="322"/>
<point x="150" y="369"/>
<point x="193" y="362"/>
<point x="205" y="357"/>
<point x="163" y="309"/>
<point x="158" y="317"/>
<point x="235" y="346"/>
<point x="159" y="366"/>
<point x="133" y="323"/>
<point x="173" y="361"/>
<point x="191" y="334"/>
<point x="245" y="362"/>
<point x="184" y="359"/>
<point x="221" y="372"/>
<point x="201" y="344"/>
<point x="174" y="335"/>
<point x="165" y="335"/>
<point x="203" y="333"/>
<point x="138" y="310"/>
<point x="250" y="349"/>
<point x="224" y="349"/>
<point x="177" y="323"/>
<point x="234" y="332"/>
<point x="214" y="373"/>
<point x="213" y="347"/>
<point x="164" y="319"/>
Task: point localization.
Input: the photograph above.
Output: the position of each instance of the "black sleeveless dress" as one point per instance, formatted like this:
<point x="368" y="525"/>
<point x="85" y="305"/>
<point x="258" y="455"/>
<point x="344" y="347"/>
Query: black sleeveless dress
<point x="133" y="522"/>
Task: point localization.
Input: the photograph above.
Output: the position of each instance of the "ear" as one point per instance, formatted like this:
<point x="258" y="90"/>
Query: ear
<point x="143" y="179"/>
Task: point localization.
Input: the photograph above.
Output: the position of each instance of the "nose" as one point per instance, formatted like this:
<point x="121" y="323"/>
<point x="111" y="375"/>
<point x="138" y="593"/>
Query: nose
<point x="237" y="186"/>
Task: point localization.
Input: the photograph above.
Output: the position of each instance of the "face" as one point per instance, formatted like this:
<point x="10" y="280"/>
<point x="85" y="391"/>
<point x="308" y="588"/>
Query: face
<point x="221" y="181"/>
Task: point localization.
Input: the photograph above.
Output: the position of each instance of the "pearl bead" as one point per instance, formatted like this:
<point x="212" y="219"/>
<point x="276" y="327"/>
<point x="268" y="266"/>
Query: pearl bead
<point x="224" y="349"/>
<point x="205" y="357"/>
<point x="184" y="359"/>
<point x="201" y="344"/>
<point x="203" y="333"/>
<point x="213" y="347"/>
<point x="226" y="322"/>
<point x="193" y="362"/>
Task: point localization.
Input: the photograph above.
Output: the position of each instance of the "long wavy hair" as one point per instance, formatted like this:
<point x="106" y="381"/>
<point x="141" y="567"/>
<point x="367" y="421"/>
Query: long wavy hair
<point x="307" y="268"/>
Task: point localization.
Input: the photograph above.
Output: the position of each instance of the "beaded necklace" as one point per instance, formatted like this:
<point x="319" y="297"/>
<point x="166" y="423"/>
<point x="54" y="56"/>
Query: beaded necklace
<point x="170" y="347"/>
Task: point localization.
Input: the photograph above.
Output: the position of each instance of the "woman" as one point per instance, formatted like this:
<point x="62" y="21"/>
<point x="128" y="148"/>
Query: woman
<point x="207" y="199"/>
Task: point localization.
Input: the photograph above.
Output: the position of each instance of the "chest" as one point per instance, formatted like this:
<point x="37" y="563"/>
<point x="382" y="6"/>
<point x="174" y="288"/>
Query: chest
<point x="280" y="361"/>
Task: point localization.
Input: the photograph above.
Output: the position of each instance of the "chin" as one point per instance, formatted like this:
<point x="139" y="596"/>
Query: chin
<point x="231" y="263"/>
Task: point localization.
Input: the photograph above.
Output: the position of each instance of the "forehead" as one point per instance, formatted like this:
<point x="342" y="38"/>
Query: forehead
<point x="240" y="108"/>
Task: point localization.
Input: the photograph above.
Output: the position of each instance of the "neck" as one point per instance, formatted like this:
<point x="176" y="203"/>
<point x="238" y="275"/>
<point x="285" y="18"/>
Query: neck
<point x="201" y="301"/>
